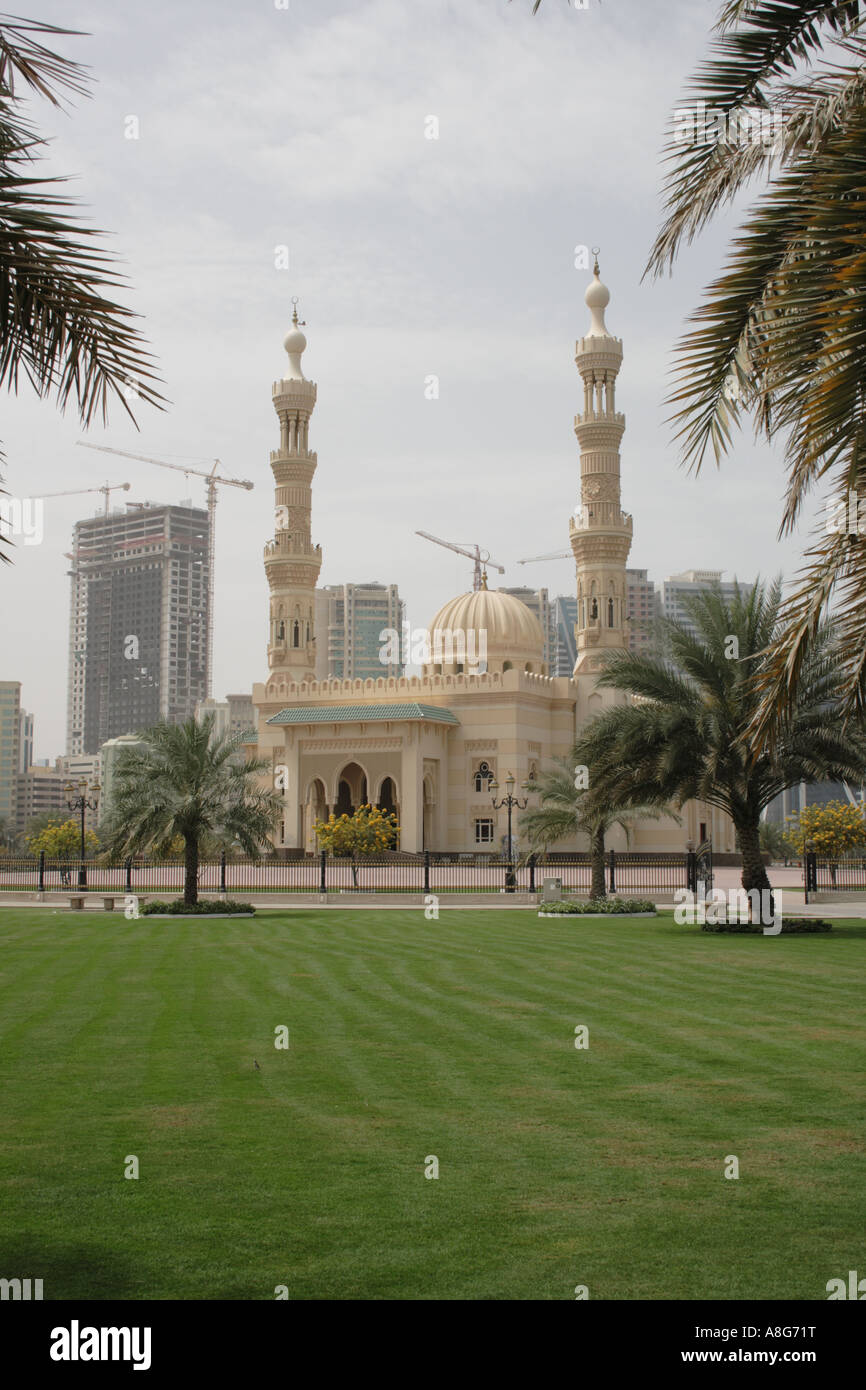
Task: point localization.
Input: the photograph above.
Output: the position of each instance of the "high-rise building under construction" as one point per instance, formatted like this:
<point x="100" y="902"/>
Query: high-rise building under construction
<point x="138" y="623"/>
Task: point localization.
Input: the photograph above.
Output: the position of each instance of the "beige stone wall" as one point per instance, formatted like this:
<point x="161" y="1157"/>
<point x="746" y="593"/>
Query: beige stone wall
<point x="510" y="720"/>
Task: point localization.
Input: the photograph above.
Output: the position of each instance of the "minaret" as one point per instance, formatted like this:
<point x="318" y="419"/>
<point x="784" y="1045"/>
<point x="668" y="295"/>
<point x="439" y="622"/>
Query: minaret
<point x="292" y="562"/>
<point x="600" y="531"/>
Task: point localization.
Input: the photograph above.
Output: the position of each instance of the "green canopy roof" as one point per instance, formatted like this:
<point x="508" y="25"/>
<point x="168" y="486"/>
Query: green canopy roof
<point x="363" y="714"/>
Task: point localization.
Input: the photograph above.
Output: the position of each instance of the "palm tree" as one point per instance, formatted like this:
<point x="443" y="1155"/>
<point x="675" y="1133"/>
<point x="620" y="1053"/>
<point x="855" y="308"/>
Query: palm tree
<point x="684" y="733"/>
<point x="58" y="327"/>
<point x="781" y="335"/>
<point x="566" y="808"/>
<point x="185" y="781"/>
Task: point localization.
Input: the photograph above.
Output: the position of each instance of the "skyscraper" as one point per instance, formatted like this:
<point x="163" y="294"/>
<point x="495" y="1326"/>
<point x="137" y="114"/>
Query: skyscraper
<point x="350" y="620"/>
<point x="680" y="586"/>
<point x="10" y="745"/>
<point x="643" y="610"/>
<point x="564" y="620"/>
<point x="138" y="627"/>
<point x="538" y="602"/>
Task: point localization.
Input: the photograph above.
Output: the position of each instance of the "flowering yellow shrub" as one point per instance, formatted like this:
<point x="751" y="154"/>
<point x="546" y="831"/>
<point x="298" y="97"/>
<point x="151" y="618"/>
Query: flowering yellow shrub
<point x="368" y="831"/>
<point x="833" y="829"/>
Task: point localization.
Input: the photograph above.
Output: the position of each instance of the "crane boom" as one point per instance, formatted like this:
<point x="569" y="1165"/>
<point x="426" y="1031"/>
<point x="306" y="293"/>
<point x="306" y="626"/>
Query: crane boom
<point x="211" y="480"/>
<point x="481" y="557"/>
<point x="212" y="476"/>
<point x="107" y="489"/>
<point x="552" y="555"/>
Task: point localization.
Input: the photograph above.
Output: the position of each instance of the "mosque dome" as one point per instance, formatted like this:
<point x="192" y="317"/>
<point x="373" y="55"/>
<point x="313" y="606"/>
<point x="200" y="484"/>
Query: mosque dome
<point x="497" y="631"/>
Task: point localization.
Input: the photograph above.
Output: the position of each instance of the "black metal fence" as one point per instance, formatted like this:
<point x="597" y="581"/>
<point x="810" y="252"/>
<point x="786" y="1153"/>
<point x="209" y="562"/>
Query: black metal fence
<point x="626" y="873"/>
<point x="833" y="875"/>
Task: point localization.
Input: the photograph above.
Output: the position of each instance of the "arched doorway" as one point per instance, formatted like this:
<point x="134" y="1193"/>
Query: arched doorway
<point x="315" y="810"/>
<point x="351" y="790"/>
<point x="427" y="816"/>
<point x="388" y="796"/>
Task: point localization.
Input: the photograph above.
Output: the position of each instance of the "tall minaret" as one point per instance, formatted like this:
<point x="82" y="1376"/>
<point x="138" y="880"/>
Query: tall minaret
<point x="292" y="562"/>
<point x="600" y="531"/>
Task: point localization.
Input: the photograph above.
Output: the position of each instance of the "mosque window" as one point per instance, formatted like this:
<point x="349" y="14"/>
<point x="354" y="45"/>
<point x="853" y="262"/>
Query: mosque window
<point x="610" y="612"/>
<point x="506" y="665"/>
<point x="593" y="610"/>
<point x="484" y="832"/>
<point x="296" y="633"/>
<point x="483" y="777"/>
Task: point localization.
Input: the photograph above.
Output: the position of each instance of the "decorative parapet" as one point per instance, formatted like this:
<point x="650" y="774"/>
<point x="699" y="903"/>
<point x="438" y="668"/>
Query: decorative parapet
<point x="588" y="520"/>
<point x="337" y="691"/>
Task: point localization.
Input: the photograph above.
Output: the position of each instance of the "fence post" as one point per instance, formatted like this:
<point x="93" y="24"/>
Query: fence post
<point x="323" y="888"/>
<point x="41" y="888"/>
<point x="426" y="871"/>
<point x="532" y="873"/>
<point x="129" y="874"/>
<point x="223" y="872"/>
<point x="691" y="870"/>
<point x="810" y="864"/>
<point x="611" y="859"/>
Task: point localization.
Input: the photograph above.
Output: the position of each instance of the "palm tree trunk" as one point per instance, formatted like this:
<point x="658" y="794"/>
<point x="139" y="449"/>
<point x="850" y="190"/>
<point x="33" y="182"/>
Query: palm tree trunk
<point x="597" y="888"/>
<point x="754" y="872"/>
<point x="190" y="877"/>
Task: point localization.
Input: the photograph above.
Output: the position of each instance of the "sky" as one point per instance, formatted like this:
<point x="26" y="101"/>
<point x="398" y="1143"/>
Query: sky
<point x="281" y="148"/>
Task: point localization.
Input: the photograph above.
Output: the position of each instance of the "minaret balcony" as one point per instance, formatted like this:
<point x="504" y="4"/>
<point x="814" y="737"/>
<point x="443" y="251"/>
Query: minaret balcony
<point x="289" y="547"/>
<point x="598" y="354"/>
<point x="293" y="456"/>
<point x="599" y="417"/>
<point x="299" y="391"/>
<point x="596" y="518"/>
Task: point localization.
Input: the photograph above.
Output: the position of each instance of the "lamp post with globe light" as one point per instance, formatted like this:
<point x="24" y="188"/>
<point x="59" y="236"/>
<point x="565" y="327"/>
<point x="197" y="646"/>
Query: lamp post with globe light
<point x="509" y="801"/>
<point x="77" y="799"/>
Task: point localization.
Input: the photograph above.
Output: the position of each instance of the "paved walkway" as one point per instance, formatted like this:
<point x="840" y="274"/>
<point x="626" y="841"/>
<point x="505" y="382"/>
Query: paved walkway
<point x="497" y="902"/>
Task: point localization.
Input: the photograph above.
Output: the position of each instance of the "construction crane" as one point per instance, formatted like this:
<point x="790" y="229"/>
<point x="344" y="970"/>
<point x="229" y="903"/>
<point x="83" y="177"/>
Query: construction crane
<point x="552" y="555"/>
<point x="107" y="489"/>
<point x="481" y="557"/>
<point x="211" y="480"/>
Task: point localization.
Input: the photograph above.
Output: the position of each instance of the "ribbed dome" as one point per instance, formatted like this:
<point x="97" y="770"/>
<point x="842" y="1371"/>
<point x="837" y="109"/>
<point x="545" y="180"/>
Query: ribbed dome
<point x="513" y="633"/>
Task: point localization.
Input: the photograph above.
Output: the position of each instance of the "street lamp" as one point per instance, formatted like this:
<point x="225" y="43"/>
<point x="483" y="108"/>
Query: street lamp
<point x="509" y="801"/>
<point x="78" y="800"/>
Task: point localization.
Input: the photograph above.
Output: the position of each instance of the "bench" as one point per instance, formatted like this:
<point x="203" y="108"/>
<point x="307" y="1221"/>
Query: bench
<point x="77" y="902"/>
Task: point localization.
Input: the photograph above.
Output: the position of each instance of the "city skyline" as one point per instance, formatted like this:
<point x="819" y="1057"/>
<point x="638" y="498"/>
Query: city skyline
<point x="406" y="268"/>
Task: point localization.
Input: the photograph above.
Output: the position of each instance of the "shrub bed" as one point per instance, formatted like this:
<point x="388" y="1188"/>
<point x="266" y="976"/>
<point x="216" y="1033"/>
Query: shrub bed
<point x="597" y="907"/>
<point x="795" y="926"/>
<point x="205" y="907"/>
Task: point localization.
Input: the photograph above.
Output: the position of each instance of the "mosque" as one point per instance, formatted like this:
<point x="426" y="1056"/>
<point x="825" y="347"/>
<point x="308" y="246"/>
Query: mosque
<point x="429" y="746"/>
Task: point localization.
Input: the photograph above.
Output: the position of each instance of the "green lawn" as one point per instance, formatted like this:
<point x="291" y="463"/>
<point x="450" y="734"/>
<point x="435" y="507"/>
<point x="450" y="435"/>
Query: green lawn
<point x="411" y="1038"/>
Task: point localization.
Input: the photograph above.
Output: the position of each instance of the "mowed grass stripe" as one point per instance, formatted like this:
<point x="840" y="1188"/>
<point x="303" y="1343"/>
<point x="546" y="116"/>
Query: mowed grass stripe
<point x="409" y="1038"/>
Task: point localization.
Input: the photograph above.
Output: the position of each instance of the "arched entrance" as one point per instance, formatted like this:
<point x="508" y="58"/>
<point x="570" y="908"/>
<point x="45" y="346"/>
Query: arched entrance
<point x="351" y="790"/>
<point x="388" y="802"/>
<point x="427" y="816"/>
<point x="316" y="809"/>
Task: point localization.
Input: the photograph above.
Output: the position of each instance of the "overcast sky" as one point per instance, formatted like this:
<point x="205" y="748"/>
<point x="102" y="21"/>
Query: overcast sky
<point x="261" y="127"/>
